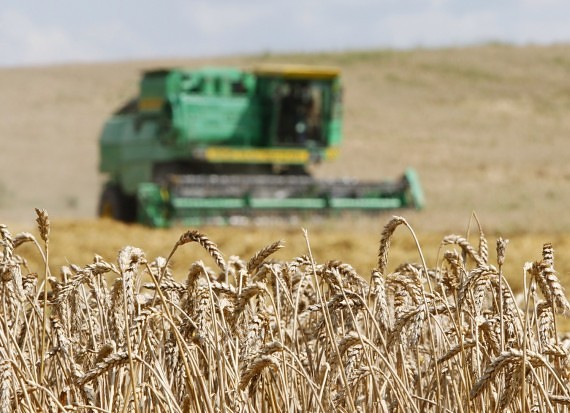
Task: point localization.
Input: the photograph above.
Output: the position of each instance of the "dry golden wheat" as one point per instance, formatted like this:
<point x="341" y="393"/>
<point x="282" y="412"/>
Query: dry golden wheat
<point x="263" y="335"/>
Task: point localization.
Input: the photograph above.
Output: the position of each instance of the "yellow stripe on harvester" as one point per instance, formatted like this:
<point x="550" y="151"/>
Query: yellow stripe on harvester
<point x="284" y="156"/>
<point x="297" y="71"/>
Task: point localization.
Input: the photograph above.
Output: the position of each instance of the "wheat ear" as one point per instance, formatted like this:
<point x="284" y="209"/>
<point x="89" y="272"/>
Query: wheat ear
<point x="255" y="262"/>
<point x="387" y="234"/>
<point x="204" y="241"/>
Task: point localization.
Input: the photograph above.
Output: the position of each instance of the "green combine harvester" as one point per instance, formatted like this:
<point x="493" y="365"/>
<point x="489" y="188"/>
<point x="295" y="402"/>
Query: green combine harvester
<point x="215" y="144"/>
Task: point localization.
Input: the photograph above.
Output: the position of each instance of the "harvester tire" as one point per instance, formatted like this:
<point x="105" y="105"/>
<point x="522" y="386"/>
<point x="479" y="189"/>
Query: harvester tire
<point x="117" y="205"/>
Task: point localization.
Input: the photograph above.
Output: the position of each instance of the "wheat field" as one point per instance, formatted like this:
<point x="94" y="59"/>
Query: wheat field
<point x="383" y="314"/>
<point x="258" y="334"/>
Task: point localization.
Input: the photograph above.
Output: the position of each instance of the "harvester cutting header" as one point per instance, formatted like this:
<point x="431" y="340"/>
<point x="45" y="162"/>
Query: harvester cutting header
<point x="215" y="143"/>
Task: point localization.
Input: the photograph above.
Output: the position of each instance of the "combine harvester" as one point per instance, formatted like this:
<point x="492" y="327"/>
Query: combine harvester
<point x="223" y="144"/>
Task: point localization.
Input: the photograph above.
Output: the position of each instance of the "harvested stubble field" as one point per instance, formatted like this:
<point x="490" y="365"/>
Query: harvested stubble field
<point x="487" y="129"/>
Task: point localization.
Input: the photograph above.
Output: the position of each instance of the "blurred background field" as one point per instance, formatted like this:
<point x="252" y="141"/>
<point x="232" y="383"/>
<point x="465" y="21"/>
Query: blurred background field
<point x="486" y="127"/>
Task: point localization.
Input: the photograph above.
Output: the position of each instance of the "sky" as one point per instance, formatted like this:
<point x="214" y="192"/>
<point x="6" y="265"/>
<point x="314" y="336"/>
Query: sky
<point x="45" y="32"/>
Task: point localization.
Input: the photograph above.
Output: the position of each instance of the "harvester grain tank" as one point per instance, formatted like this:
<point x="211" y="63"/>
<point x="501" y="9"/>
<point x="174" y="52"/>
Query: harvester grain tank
<point x="217" y="143"/>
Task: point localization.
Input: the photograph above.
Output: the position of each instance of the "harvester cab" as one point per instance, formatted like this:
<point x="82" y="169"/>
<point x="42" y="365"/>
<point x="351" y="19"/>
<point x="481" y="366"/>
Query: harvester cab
<point x="217" y="143"/>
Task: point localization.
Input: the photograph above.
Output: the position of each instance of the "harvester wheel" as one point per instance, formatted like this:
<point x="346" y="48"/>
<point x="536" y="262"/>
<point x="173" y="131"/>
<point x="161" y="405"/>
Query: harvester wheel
<point x="116" y="205"/>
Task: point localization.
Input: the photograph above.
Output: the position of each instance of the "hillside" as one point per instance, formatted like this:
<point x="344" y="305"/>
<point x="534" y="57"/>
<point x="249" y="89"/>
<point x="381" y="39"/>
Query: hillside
<point x="486" y="127"/>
